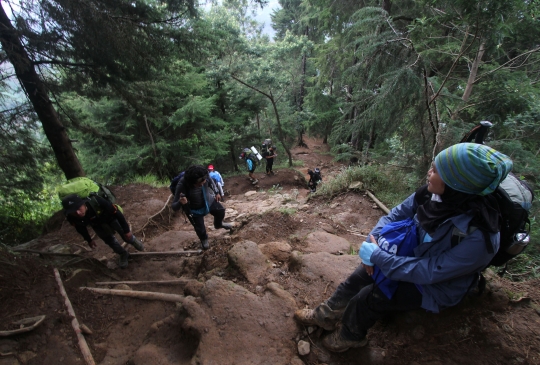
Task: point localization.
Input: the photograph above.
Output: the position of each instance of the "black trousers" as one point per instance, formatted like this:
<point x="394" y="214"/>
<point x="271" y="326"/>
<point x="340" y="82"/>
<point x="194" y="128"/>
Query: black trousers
<point x="269" y="164"/>
<point x="106" y="233"/>
<point x="365" y="303"/>
<point x="218" y="211"/>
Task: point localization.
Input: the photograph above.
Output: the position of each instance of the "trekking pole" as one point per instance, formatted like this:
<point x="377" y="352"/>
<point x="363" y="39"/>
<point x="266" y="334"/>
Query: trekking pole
<point x="187" y="211"/>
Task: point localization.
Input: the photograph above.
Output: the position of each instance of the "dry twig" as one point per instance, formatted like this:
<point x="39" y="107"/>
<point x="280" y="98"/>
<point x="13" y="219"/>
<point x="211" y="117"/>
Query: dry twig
<point x="74" y="322"/>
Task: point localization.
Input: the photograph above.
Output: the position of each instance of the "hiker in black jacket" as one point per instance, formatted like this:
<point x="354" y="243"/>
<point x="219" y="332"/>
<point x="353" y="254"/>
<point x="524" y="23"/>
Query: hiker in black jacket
<point x="105" y="219"/>
<point x="197" y="194"/>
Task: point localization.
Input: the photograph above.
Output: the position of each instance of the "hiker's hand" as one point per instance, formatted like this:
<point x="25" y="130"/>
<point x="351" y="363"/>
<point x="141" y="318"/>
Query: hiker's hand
<point x="92" y="244"/>
<point x="369" y="269"/>
<point x="218" y="197"/>
<point x="183" y="200"/>
<point x="128" y="237"/>
<point x="366" y="250"/>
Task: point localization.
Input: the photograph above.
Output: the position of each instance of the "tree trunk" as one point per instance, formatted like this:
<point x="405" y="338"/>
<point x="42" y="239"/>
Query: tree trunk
<point x="37" y="94"/>
<point x="474" y="71"/>
<point x="233" y="157"/>
<point x="278" y="122"/>
<point x="301" y="95"/>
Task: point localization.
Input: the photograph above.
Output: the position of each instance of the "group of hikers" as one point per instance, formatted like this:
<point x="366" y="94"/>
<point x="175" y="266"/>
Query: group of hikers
<point x="434" y="273"/>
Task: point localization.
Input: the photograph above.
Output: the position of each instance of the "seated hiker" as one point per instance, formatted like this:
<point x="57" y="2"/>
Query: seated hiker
<point x="197" y="195"/>
<point x="105" y="219"/>
<point x="250" y="165"/>
<point x="457" y="225"/>
<point x="315" y="178"/>
<point x="216" y="176"/>
<point x="269" y="155"/>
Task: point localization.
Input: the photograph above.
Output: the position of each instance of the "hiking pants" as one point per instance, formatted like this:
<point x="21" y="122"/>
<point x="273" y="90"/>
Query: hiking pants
<point x="365" y="303"/>
<point x="218" y="211"/>
<point x="269" y="164"/>
<point x="106" y="233"/>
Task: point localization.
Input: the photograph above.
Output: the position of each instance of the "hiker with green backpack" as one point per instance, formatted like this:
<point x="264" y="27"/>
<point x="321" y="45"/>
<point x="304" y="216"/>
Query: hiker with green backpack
<point x="90" y="204"/>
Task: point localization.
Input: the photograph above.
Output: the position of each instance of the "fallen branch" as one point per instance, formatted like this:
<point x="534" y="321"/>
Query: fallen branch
<point x="378" y="202"/>
<point x="164" y="253"/>
<point x="50" y="253"/>
<point x="139" y="294"/>
<point x="356" y="233"/>
<point x="176" y="281"/>
<point x="74" y="322"/>
<point x="35" y="320"/>
<point x="150" y="219"/>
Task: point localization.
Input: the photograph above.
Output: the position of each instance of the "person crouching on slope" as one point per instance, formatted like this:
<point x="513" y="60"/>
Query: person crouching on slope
<point x="441" y="270"/>
<point x="197" y="194"/>
<point x="108" y="219"/>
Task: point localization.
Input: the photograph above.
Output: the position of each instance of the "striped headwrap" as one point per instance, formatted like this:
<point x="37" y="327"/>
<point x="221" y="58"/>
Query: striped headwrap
<point x="472" y="168"/>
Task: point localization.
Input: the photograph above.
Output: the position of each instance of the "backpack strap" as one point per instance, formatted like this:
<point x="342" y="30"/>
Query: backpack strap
<point x="458" y="236"/>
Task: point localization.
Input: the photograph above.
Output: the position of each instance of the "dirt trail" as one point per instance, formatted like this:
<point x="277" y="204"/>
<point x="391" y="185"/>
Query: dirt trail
<point x="287" y="252"/>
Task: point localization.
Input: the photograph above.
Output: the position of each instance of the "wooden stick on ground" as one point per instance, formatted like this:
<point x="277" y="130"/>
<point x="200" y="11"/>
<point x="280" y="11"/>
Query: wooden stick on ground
<point x="35" y="320"/>
<point x="164" y="253"/>
<point x="176" y="281"/>
<point x="378" y="202"/>
<point x="74" y="322"/>
<point x="139" y="294"/>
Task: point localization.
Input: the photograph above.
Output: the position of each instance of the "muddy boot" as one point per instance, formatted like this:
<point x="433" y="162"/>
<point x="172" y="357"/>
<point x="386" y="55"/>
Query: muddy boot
<point x="205" y="245"/>
<point x="335" y="342"/>
<point x="322" y="316"/>
<point x="123" y="262"/>
<point x="137" y="244"/>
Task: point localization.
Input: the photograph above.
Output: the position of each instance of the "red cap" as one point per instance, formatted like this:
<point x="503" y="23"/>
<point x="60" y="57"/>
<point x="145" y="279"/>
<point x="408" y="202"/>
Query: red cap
<point x="211" y="167"/>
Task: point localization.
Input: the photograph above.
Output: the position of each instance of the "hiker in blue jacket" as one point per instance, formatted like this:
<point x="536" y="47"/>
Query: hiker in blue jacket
<point x="197" y="194"/>
<point x="457" y="226"/>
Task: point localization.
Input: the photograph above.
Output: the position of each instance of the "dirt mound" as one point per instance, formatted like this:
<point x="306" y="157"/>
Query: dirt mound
<point x="238" y="298"/>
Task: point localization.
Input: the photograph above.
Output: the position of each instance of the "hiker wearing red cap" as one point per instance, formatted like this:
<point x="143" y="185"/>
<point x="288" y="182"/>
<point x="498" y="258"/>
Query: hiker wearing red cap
<point x="216" y="176"/>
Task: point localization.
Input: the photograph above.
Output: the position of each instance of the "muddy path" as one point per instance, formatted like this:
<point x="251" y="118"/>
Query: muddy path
<point x="238" y="298"/>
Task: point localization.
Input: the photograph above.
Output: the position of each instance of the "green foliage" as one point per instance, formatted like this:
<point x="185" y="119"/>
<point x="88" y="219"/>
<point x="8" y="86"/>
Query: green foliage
<point x="23" y="214"/>
<point x="391" y="186"/>
<point x="151" y="180"/>
<point x="287" y="211"/>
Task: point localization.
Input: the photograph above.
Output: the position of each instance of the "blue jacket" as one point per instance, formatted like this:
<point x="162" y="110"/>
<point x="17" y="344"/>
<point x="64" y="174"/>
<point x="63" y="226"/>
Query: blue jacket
<point x="444" y="274"/>
<point x="217" y="177"/>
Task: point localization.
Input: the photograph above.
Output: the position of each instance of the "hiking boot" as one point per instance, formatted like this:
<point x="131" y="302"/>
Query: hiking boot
<point x="137" y="244"/>
<point x="123" y="262"/>
<point x="336" y="343"/>
<point x="255" y="182"/>
<point x="205" y="245"/>
<point x="322" y="316"/>
<point x="227" y="227"/>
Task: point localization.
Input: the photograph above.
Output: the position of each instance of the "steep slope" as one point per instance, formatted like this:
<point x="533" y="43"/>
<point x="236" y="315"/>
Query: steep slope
<point x="238" y="298"/>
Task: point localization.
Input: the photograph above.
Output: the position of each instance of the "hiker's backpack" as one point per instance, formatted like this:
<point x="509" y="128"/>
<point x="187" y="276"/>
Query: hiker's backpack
<point x="87" y="188"/>
<point x="248" y="154"/>
<point x="266" y="145"/>
<point x="175" y="181"/>
<point x="515" y="198"/>
<point x="317" y="175"/>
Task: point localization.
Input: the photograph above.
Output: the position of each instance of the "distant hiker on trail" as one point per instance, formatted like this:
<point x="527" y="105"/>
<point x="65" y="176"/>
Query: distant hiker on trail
<point x="315" y="178"/>
<point x="455" y="224"/>
<point x="269" y="156"/>
<point x="197" y="194"/>
<point x="216" y="176"/>
<point x="105" y="221"/>
<point x="251" y="164"/>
